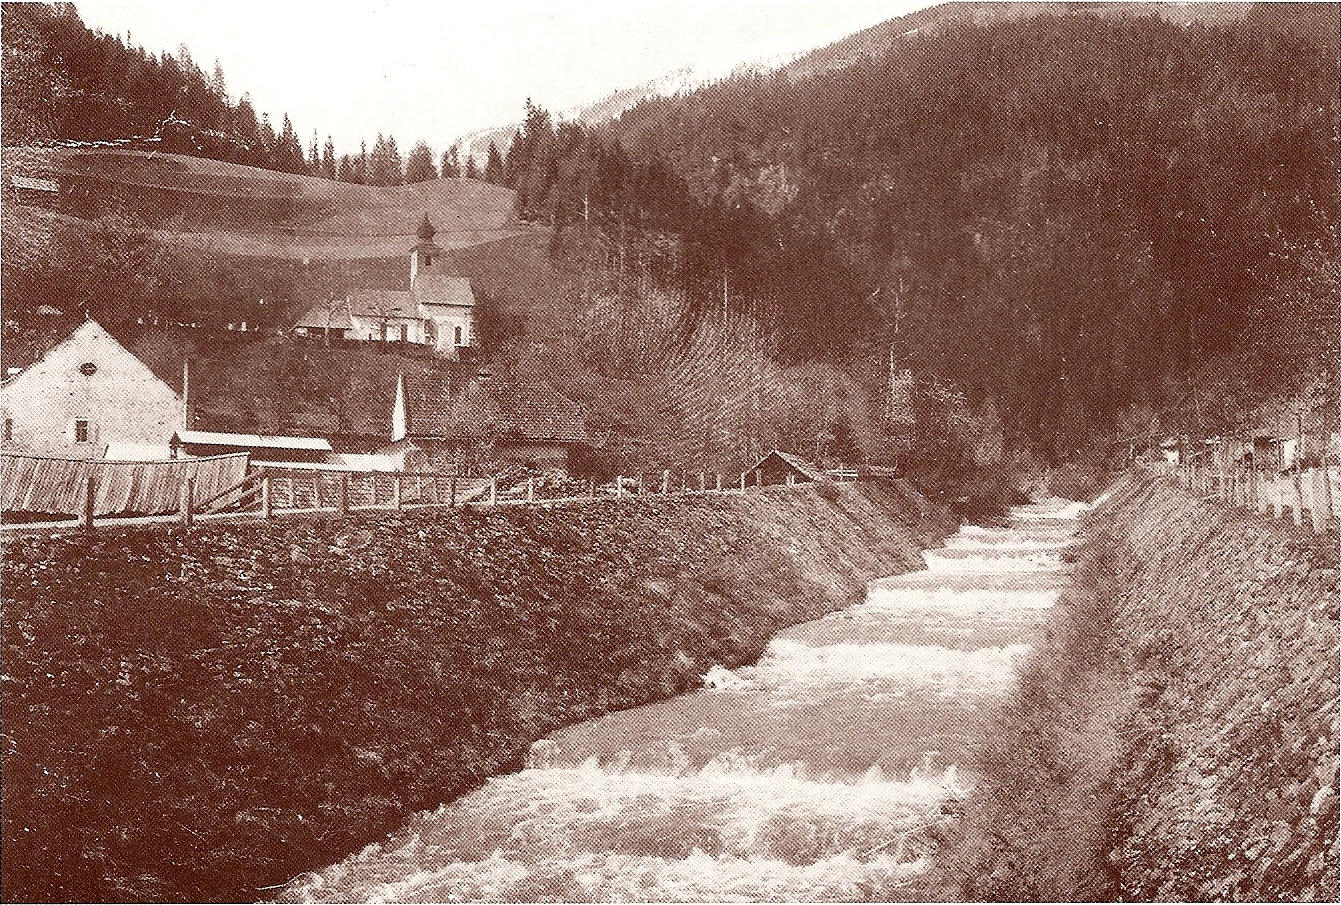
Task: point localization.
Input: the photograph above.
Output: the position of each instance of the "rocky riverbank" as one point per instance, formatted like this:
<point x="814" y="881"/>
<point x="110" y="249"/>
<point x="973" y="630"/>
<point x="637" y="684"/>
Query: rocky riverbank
<point x="1175" y="735"/>
<point x="203" y="715"/>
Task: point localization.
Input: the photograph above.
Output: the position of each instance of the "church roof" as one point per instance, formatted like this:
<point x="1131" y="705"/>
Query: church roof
<point x="439" y="289"/>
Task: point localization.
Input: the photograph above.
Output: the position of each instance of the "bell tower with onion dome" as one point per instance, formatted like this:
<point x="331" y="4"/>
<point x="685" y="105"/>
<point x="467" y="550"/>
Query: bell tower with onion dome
<point x="425" y="255"/>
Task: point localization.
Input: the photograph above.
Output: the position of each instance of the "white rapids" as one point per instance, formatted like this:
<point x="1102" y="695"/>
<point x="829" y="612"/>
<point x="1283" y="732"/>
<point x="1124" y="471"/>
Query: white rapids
<point x="810" y="776"/>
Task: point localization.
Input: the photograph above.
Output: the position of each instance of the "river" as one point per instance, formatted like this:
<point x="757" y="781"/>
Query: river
<point x="814" y="775"/>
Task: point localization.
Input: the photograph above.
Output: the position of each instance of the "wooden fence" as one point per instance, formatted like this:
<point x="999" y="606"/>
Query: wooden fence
<point x="271" y="491"/>
<point x="1309" y="496"/>
<point x="99" y="487"/>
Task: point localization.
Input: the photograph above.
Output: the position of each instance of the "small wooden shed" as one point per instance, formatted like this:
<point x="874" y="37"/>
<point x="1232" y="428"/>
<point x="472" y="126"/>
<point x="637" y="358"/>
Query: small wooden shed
<point x="779" y="467"/>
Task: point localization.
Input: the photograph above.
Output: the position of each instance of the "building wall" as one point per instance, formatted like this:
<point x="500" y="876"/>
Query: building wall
<point x="448" y="319"/>
<point x="122" y="400"/>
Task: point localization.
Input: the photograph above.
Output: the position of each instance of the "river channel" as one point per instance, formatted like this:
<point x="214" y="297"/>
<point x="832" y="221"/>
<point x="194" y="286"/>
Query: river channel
<point x="813" y="775"/>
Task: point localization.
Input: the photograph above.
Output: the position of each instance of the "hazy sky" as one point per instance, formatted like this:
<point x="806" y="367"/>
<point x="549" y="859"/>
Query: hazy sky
<point x="437" y="70"/>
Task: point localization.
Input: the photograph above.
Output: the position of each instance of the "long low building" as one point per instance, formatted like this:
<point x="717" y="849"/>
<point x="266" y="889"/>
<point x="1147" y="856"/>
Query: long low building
<point x="197" y="443"/>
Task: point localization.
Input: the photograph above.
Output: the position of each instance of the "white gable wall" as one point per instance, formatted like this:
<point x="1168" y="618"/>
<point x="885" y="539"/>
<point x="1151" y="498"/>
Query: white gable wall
<point x="123" y="401"/>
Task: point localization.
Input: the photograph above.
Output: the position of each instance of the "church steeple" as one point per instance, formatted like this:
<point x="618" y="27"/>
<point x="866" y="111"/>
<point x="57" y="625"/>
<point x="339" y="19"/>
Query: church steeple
<point x="424" y="253"/>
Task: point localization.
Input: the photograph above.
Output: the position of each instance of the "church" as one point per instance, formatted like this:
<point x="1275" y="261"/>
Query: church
<point x="437" y="310"/>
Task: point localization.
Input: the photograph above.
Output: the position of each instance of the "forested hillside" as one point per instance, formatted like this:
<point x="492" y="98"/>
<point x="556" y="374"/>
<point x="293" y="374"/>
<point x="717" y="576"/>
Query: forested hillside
<point x="1068" y="214"/>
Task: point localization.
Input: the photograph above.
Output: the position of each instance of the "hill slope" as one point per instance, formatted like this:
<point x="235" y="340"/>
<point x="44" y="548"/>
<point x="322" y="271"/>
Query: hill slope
<point x="240" y="210"/>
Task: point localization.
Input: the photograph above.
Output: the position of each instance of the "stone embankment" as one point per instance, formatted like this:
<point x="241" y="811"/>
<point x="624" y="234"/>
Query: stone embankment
<point x="1175" y="735"/>
<point x="202" y="715"/>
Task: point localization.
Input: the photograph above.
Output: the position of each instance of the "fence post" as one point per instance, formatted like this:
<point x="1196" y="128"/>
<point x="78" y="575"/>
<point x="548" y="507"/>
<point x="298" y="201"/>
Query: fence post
<point x="493" y="492"/>
<point x="619" y="487"/>
<point x="86" y="511"/>
<point x="791" y="479"/>
<point x="530" y="489"/>
<point x="641" y="488"/>
<point x="591" y="488"/>
<point x="742" y="482"/>
<point x="188" y="500"/>
<point x="343" y="503"/>
<point x="267" y="502"/>
<point x="702" y="482"/>
<point x="451" y="500"/>
<point x="1315" y="503"/>
<point x="719" y="482"/>
<point x="665" y="481"/>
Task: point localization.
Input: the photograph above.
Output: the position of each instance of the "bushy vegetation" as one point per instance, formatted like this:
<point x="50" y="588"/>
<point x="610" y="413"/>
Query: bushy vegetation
<point x="198" y="717"/>
<point x="1174" y="737"/>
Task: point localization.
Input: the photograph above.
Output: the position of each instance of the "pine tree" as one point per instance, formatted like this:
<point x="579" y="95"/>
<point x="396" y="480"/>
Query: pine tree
<point x="419" y="165"/>
<point x="314" y="156"/>
<point x="493" y="167"/>
<point x="218" y="84"/>
<point x="472" y="172"/>
<point x="348" y="171"/>
<point x="361" y="167"/>
<point x="395" y="171"/>
<point x="328" y="159"/>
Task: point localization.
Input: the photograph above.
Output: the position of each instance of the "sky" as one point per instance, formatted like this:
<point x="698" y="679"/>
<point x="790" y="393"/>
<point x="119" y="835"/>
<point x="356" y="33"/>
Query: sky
<point x="435" y="71"/>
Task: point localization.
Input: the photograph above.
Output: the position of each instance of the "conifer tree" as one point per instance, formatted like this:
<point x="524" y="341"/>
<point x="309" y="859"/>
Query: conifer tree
<point x="472" y="172"/>
<point x="493" y="167"/>
<point x="328" y="159"/>
<point x="314" y="156"/>
<point x="419" y="166"/>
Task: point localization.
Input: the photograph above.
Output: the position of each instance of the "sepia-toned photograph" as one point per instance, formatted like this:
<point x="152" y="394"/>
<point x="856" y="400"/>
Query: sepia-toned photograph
<point x="682" y="451"/>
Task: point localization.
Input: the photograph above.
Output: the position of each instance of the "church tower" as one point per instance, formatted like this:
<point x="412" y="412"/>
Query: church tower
<point x="424" y="254"/>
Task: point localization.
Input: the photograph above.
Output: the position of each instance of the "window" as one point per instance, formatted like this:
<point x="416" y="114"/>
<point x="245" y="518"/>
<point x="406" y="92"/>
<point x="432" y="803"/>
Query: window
<point x="88" y="369"/>
<point x="81" y="431"/>
<point x="428" y="260"/>
<point x="456" y="335"/>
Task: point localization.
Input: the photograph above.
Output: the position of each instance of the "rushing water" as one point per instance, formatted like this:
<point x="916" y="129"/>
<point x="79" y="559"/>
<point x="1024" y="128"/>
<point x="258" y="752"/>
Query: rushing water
<point x="813" y="775"/>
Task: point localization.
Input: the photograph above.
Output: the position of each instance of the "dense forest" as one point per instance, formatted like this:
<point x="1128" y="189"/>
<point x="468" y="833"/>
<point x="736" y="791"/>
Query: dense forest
<point x="1067" y="214"/>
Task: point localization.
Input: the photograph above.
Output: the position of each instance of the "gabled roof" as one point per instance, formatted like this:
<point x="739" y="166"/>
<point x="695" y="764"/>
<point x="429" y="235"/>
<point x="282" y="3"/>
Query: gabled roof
<point x="808" y="469"/>
<point x="155" y="349"/>
<point x="438" y="289"/>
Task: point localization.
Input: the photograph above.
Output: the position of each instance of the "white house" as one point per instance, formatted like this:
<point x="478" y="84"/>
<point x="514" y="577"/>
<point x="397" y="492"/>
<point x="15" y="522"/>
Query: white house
<point x="89" y="393"/>
<point x="437" y="310"/>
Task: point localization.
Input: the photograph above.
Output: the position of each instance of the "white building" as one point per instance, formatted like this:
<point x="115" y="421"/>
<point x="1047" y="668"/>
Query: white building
<point x="437" y="310"/>
<point x="89" y="394"/>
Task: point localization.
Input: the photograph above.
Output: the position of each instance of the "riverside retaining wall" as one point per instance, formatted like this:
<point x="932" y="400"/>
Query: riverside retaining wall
<point x="202" y="715"/>
<point x="1175" y="735"/>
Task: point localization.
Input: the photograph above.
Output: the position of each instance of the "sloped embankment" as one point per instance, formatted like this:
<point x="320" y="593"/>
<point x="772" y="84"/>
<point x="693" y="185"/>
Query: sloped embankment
<point x="1175" y="735"/>
<point x="200" y="716"/>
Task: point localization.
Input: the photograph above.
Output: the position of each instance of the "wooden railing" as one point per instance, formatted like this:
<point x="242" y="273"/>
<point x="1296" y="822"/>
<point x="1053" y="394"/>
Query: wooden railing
<point x="272" y="491"/>
<point x="1309" y="496"/>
